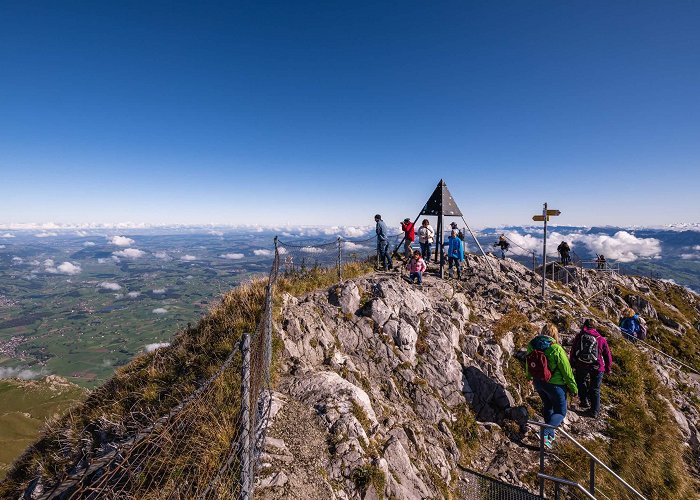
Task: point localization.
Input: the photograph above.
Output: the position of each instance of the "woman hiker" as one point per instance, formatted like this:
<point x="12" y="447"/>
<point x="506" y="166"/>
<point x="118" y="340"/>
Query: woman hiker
<point x="590" y="357"/>
<point x="547" y="366"/>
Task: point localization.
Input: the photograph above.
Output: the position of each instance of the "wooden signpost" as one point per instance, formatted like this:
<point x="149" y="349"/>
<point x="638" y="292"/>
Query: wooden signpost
<point x="546" y="214"/>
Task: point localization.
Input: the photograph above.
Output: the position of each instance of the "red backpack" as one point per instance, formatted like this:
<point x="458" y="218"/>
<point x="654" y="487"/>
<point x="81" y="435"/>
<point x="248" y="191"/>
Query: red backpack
<point x="537" y="365"/>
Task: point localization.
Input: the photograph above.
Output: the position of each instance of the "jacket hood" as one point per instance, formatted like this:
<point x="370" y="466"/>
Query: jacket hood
<point x="591" y="331"/>
<point x="542" y="342"/>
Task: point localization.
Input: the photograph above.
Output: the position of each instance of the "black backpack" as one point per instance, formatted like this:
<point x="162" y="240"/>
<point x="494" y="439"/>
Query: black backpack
<point x="587" y="352"/>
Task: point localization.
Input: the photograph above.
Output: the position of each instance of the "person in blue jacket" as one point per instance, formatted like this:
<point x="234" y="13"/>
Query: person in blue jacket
<point x="630" y="325"/>
<point x="455" y="253"/>
<point x="383" y="253"/>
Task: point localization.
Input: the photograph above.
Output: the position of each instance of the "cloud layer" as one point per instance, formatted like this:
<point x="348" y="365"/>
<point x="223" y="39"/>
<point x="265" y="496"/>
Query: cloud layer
<point x="622" y="246"/>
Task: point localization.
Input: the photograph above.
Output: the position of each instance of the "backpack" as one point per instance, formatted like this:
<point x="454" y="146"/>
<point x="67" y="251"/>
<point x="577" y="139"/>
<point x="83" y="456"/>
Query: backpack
<point x="642" y="333"/>
<point x="587" y="351"/>
<point x="537" y="365"/>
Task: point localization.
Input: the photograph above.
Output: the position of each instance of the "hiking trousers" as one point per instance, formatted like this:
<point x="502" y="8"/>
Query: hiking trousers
<point x="425" y="251"/>
<point x="588" y="382"/>
<point x="553" y="404"/>
<point x="384" y="255"/>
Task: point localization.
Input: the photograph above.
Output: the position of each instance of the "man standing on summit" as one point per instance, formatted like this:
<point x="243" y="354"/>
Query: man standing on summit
<point x="383" y="254"/>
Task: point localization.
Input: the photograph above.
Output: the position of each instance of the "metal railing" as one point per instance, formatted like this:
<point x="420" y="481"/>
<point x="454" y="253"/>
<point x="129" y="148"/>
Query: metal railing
<point x="605" y="267"/>
<point x="593" y="460"/>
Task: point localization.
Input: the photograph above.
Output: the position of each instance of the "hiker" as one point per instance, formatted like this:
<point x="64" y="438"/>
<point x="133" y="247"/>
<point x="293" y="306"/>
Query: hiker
<point x="631" y="325"/>
<point x="425" y="238"/>
<point x="454" y="227"/>
<point x="455" y="254"/>
<point x="549" y="369"/>
<point x="600" y="260"/>
<point x="409" y="236"/>
<point x="383" y="254"/>
<point x="590" y="357"/>
<point x="564" y="249"/>
<point x="416" y="267"/>
<point x="503" y="244"/>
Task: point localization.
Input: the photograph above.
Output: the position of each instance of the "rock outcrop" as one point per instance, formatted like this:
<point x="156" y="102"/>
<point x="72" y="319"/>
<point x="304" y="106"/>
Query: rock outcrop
<point x="405" y="385"/>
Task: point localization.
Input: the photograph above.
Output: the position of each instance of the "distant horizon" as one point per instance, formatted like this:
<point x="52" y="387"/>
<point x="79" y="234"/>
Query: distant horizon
<point x="69" y="226"/>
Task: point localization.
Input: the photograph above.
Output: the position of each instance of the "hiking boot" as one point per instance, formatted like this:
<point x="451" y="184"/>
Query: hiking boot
<point x="549" y="442"/>
<point x="595" y="414"/>
<point x="584" y="404"/>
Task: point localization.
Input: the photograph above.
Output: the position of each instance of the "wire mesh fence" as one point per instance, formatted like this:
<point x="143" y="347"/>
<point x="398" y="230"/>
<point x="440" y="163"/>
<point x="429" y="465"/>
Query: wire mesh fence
<point x="207" y="446"/>
<point x="476" y="486"/>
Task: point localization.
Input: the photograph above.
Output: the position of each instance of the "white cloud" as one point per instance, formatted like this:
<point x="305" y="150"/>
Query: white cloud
<point x="215" y="233"/>
<point x="65" y="268"/>
<point x="121" y="241"/>
<point x="232" y="256"/>
<point x="355" y="232"/>
<point x="2" y="246"/>
<point x="7" y="235"/>
<point x="17" y="260"/>
<point x="133" y="295"/>
<point x="157" y="345"/>
<point x="693" y="255"/>
<point x="349" y="245"/>
<point x="45" y="234"/>
<point x="160" y="310"/>
<point x="262" y="252"/>
<point x="312" y="250"/>
<point x="20" y="373"/>
<point x="188" y="258"/>
<point x="108" y="285"/>
<point x="161" y="255"/>
<point x="81" y="233"/>
<point x="159" y="291"/>
<point x="129" y="253"/>
<point x="89" y="244"/>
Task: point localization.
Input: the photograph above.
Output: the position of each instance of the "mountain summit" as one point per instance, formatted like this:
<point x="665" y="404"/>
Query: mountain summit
<point x="385" y="389"/>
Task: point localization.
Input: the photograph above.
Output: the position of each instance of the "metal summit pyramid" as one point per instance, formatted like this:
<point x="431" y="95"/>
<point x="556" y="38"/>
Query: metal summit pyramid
<point x="441" y="202"/>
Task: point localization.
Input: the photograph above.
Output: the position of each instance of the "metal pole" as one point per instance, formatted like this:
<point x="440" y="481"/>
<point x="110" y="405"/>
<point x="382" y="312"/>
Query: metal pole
<point x="556" y="491"/>
<point x="442" y="255"/>
<point x="591" y="485"/>
<point x="541" y="461"/>
<point x="534" y="262"/>
<point x="246" y="479"/>
<point x="544" y="253"/>
<point x="340" y="259"/>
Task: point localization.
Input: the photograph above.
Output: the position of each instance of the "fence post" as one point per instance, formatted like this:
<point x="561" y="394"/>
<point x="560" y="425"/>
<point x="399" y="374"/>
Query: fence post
<point x="340" y="259"/>
<point x="592" y="478"/>
<point x="541" y="461"/>
<point x="534" y="262"/>
<point x="245" y="450"/>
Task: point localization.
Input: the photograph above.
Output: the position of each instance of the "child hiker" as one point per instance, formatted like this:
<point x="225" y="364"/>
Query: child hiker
<point x="416" y="267"/>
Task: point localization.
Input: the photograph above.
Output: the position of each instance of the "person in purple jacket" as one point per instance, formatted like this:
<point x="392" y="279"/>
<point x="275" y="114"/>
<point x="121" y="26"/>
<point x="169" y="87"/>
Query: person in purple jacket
<point x="590" y="358"/>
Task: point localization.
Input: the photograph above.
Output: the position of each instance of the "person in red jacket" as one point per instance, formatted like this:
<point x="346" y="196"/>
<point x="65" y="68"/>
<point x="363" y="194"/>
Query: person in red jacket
<point x="590" y="358"/>
<point x="407" y="228"/>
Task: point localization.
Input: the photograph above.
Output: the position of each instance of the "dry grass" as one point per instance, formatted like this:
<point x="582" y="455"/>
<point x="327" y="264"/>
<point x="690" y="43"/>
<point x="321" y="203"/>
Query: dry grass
<point x="154" y="383"/>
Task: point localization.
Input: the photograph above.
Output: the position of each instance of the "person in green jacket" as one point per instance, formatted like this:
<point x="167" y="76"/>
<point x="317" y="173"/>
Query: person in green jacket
<point x="552" y="391"/>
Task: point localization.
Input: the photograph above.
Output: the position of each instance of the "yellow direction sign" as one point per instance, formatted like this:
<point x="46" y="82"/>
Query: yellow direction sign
<point x="553" y="212"/>
<point x="539" y="218"/>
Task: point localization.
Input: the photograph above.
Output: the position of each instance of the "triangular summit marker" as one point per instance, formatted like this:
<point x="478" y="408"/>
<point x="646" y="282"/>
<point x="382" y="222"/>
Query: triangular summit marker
<point x="441" y="202"/>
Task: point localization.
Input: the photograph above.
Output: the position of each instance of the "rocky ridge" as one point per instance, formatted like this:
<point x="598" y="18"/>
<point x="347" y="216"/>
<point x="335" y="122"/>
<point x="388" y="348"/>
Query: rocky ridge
<point x="391" y="390"/>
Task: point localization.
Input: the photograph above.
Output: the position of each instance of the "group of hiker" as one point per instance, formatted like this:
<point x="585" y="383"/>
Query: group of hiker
<point x="554" y="374"/>
<point x="417" y="259"/>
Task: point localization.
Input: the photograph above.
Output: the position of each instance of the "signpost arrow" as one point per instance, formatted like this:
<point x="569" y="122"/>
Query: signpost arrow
<point x="553" y="212"/>
<point x="539" y="218"/>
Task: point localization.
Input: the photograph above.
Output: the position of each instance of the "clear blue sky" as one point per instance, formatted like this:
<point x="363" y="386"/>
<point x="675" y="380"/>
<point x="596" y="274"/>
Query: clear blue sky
<point x="326" y="112"/>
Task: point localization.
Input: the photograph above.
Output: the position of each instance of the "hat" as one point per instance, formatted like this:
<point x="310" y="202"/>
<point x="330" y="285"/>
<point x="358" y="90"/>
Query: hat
<point x="453" y="224"/>
<point x="407" y="219"/>
<point x="377" y="216"/>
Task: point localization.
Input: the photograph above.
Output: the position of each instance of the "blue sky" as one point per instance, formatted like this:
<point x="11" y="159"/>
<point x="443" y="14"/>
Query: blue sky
<point x="327" y="112"/>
